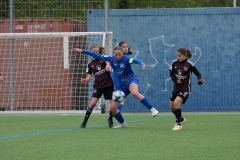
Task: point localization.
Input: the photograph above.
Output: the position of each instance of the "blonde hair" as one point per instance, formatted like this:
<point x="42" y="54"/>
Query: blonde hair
<point x="101" y="49"/>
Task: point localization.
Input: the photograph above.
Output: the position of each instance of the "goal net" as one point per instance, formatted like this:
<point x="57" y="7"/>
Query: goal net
<point x="42" y="72"/>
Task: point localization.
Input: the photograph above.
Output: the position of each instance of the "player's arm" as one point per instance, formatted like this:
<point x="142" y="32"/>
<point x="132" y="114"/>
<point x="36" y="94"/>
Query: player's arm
<point x="108" y="66"/>
<point x="89" y="76"/>
<point x="198" y="74"/>
<point x="172" y="75"/>
<point x="138" y="61"/>
<point x="87" y="79"/>
<point x="93" y="54"/>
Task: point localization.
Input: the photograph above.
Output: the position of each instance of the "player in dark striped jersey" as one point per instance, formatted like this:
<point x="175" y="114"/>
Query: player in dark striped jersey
<point x="103" y="83"/>
<point x="180" y="71"/>
<point x="1" y="78"/>
<point x="121" y="66"/>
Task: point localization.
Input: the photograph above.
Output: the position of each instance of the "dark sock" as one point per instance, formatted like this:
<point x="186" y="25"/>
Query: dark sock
<point x="178" y="113"/>
<point x="175" y="116"/>
<point x="87" y="114"/>
<point x="174" y="113"/>
<point x="110" y="115"/>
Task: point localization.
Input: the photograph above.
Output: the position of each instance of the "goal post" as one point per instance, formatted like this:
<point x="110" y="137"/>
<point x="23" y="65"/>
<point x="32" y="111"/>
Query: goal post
<point x="45" y="72"/>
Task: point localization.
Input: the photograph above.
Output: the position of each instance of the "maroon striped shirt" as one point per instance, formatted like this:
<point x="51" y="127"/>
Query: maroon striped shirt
<point x="102" y="77"/>
<point x="183" y="71"/>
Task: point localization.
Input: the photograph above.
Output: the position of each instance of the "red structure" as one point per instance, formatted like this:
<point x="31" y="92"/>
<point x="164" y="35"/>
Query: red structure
<point x="41" y="80"/>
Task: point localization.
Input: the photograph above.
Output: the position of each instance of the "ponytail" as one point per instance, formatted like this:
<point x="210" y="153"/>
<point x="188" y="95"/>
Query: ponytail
<point x="189" y="54"/>
<point x="102" y="50"/>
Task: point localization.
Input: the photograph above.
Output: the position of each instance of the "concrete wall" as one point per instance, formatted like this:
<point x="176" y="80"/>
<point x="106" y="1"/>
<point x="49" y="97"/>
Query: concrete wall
<point x="212" y="35"/>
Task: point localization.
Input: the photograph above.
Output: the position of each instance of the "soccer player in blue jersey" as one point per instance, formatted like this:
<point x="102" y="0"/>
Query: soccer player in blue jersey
<point x="128" y="81"/>
<point x="126" y="51"/>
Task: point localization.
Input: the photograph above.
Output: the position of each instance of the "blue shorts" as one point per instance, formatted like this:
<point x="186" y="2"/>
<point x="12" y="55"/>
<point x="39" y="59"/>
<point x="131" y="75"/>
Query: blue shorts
<point x="125" y="87"/>
<point x="115" y="80"/>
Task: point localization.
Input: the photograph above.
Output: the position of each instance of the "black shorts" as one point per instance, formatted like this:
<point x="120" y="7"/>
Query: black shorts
<point x="183" y="95"/>
<point x="107" y="91"/>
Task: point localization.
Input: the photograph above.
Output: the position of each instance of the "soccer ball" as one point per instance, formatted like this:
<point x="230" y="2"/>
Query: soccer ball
<point x="118" y="96"/>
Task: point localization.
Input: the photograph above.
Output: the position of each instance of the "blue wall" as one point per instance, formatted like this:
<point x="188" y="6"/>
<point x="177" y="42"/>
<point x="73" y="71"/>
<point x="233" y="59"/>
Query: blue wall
<point x="212" y="35"/>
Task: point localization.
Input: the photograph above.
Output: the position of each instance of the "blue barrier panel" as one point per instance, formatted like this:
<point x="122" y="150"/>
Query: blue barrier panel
<point x="212" y="35"/>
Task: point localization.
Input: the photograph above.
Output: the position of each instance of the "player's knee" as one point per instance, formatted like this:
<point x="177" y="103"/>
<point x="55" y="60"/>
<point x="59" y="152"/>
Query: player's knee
<point x="176" y="104"/>
<point x="92" y="105"/>
<point x="135" y="94"/>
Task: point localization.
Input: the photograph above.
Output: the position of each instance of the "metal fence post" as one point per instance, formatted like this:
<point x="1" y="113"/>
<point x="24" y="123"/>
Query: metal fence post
<point x="12" y="55"/>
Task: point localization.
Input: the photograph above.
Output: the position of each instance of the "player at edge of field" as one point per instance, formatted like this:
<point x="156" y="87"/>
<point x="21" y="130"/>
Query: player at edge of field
<point x="180" y="72"/>
<point x="126" y="51"/>
<point x="1" y="78"/>
<point x="103" y="83"/>
<point x="121" y="66"/>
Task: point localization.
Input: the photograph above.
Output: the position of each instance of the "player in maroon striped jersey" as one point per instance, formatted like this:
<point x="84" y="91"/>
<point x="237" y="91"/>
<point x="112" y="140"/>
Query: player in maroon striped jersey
<point x="103" y="83"/>
<point x="1" y="78"/>
<point x="180" y="71"/>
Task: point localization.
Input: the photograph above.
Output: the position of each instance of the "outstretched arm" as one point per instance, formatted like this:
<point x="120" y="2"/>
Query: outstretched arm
<point x="138" y="61"/>
<point x="93" y="54"/>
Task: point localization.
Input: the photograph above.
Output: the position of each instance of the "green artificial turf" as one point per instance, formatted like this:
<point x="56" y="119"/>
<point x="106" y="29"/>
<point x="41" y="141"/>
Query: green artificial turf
<point x="58" y="137"/>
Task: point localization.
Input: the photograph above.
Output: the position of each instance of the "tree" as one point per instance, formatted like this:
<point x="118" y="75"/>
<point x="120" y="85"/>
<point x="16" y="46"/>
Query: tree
<point x="78" y="9"/>
<point x="49" y="8"/>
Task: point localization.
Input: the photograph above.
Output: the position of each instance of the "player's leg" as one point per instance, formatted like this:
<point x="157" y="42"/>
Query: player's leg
<point x="95" y="97"/>
<point x="181" y="98"/>
<point x="133" y="88"/>
<point x="108" y="96"/>
<point x="117" y="114"/>
<point x="177" y="102"/>
<point x="116" y="87"/>
<point x="172" y="98"/>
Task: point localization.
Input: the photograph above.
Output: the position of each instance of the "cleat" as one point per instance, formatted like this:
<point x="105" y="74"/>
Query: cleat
<point x="183" y="121"/>
<point x="83" y="125"/>
<point x="122" y="125"/>
<point x="110" y="122"/>
<point x="154" y="112"/>
<point x="177" y="127"/>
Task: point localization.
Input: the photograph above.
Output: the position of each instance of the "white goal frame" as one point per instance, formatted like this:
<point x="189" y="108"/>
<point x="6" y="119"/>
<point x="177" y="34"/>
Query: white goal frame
<point x="107" y="42"/>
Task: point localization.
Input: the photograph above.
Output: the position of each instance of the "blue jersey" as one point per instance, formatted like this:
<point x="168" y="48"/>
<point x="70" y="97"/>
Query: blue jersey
<point x="121" y="68"/>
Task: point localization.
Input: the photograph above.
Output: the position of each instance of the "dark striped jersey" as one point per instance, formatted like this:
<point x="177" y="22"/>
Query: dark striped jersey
<point x="102" y="77"/>
<point x="183" y="71"/>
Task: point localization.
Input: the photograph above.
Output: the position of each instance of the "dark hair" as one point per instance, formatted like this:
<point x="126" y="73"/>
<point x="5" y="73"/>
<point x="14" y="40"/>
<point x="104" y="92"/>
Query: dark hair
<point x="185" y="52"/>
<point x="117" y="48"/>
<point x="124" y="42"/>
<point x="102" y="50"/>
<point x="121" y="43"/>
